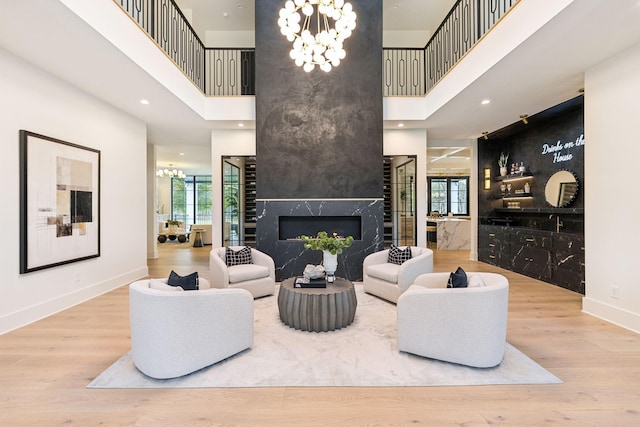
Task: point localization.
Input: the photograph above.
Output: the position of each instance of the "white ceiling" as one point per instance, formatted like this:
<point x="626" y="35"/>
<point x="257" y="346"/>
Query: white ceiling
<point x="545" y="70"/>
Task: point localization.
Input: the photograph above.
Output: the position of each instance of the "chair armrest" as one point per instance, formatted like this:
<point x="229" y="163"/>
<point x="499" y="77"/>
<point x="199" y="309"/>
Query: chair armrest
<point x="411" y="269"/>
<point x="260" y="258"/>
<point x="432" y="280"/>
<point x="379" y="257"/>
<point x="219" y="275"/>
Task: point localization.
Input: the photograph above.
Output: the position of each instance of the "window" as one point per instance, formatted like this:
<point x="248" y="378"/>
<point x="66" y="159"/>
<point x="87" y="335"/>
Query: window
<point x="191" y="199"/>
<point x="448" y="194"/>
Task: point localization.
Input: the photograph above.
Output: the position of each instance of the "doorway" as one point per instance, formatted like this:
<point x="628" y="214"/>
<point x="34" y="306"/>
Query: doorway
<point x="404" y="206"/>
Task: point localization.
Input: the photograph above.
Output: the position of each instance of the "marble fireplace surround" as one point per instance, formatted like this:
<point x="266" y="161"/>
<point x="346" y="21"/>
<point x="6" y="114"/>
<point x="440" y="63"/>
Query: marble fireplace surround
<point x="291" y="257"/>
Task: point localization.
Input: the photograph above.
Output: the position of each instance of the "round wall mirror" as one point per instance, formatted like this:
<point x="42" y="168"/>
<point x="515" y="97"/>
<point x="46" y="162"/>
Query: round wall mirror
<point x="561" y="189"/>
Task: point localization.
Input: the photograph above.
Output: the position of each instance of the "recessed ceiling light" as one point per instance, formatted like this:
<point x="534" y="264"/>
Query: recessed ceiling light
<point x="240" y="125"/>
<point x="225" y="14"/>
<point x="182" y="154"/>
<point x="144" y="101"/>
<point x="400" y="125"/>
<point x="486" y="101"/>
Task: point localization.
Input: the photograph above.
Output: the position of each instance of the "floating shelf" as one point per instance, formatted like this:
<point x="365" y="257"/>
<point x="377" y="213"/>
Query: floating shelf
<point x="516" y="196"/>
<point x="514" y="176"/>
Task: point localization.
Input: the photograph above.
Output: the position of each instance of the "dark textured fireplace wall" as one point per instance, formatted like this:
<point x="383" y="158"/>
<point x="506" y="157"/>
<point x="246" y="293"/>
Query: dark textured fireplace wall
<point x="319" y="135"/>
<point x="319" y="140"/>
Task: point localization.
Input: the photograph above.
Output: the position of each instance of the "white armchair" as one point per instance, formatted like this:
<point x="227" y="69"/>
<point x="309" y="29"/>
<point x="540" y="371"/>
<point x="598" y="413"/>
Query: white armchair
<point x="467" y="326"/>
<point x="259" y="277"/>
<point x="389" y="281"/>
<point x="175" y="333"/>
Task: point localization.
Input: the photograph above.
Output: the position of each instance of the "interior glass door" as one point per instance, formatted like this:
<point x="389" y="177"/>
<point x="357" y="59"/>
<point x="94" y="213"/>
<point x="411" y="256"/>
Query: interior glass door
<point x="405" y="201"/>
<point x="231" y="198"/>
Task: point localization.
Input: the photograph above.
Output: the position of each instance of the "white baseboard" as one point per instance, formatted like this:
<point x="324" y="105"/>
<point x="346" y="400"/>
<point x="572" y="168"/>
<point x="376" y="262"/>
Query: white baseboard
<point x="39" y="311"/>
<point x="611" y="314"/>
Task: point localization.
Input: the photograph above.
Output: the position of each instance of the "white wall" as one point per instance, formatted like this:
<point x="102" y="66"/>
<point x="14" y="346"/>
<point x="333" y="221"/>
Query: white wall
<point x="152" y="203"/>
<point x="163" y="194"/>
<point x="612" y="208"/>
<point x="35" y="101"/>
<point x="233" y="39"/>
<point x="405" y="38"/>
<point x="412" y="142"/>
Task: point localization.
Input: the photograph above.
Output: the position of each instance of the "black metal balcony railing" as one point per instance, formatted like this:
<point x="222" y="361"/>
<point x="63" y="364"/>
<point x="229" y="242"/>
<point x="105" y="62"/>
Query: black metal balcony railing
<point x="167" y="26"/>
<point x="465" y="24"/>
<point x="403" y="72"/>
<point x="230" y="72"/>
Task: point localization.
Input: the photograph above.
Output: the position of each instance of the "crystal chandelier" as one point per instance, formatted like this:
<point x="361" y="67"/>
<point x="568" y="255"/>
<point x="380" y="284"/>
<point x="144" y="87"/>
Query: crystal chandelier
<point x="298" y="18"/>
<point x="170" y="173"/>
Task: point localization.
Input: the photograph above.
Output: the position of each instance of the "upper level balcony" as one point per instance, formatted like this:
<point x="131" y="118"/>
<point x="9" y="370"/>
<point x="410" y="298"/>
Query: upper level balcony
<point x="230" y="72"/>
<point x="530" y="60"/>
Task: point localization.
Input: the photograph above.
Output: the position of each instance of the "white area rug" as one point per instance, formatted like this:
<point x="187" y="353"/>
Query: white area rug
<point x="365" y="354"/>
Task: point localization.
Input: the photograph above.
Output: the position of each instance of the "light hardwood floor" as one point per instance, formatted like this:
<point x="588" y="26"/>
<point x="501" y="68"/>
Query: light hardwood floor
<point x="45" y="367"/>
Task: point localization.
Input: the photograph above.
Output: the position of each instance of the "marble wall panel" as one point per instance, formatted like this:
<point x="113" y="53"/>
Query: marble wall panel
<point x="290" y="257"/>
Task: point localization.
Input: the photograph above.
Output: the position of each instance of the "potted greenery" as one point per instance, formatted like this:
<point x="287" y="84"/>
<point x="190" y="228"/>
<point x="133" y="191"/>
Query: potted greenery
<point x="330" y="246"/>
<point x="172" y="225"/>
<point x="502" y="162"/>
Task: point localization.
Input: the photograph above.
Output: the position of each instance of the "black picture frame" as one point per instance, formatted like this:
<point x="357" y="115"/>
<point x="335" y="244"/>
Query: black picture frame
<point x="59" y="202"/>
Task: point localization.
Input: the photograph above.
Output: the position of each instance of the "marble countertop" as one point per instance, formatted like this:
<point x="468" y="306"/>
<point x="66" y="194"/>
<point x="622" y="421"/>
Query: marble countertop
<point x="446" y="218"/>
<point x="453" y="234"/>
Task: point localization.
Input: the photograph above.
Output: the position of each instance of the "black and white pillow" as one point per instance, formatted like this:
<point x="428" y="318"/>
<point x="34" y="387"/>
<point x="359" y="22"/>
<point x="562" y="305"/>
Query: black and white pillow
<point x="397" y="255"/>
<point x="239" y="257"/>
<point x="188" y="283"/>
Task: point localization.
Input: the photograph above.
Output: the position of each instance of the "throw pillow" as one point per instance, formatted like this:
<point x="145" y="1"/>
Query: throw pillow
<point x="188" y="283"/>
<point x="458" y="279"/>
<point x="398" y="255"/>
<point x="242" y="256"/>
<point x="160" y="285"/>
<point x="476" y="281"/>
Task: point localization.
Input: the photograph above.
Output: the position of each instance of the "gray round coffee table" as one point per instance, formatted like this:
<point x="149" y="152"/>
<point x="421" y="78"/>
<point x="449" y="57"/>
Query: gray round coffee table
<point x="317" y="309"/>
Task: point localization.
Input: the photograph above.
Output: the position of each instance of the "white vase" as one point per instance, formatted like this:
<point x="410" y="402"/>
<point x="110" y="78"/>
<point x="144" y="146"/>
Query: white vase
<point x="503" y="171"/>
<point x="330" y="263"/>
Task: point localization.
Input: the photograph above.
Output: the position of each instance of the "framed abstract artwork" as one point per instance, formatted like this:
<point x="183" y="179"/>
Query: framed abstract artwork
<point x="59" y="202"/>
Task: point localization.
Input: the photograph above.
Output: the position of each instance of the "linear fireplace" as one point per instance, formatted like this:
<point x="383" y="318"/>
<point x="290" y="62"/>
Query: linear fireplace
<point x="280" y="222"/>
<point x="292" y="227"/>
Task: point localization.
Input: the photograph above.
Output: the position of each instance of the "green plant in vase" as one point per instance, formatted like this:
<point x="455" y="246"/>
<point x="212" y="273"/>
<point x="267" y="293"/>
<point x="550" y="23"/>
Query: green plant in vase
<point x="323" y="242"/>
<point x="502" y="162"/>
<point x="330" y="246"/>
<point x="173" y="225"/>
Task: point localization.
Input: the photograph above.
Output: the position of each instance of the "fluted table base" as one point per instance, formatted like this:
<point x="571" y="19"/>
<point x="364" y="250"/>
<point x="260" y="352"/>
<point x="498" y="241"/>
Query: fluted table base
<point x="317" y="309"/>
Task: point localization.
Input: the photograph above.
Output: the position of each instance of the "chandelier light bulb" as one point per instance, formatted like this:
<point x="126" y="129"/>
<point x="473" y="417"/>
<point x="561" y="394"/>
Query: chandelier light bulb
<point x="170" y="173"/>
<point x="306" y="23"/>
